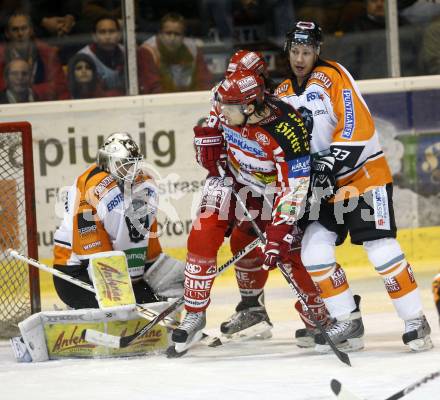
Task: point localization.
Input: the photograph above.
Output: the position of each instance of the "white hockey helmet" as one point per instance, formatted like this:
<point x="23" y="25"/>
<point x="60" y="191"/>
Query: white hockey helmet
<point x="120" y="156"/>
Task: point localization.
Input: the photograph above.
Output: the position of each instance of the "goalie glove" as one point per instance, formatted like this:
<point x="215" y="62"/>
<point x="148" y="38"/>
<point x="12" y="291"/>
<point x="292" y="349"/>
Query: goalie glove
<point x="210" y="148"/>
<point x="279" y="240"/>
<point x="323" y="182"/>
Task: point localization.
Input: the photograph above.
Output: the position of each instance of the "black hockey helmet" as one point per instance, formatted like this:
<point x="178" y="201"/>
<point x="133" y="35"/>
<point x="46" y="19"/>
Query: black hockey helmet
<point x="304" y="32"/>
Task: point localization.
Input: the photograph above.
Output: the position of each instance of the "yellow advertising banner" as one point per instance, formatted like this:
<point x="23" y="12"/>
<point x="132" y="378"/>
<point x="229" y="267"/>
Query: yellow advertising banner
<point x="66" y="341"/>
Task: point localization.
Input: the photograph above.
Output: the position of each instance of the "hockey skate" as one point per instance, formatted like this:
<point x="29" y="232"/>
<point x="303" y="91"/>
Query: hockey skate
<point x="248" y="322"/>
<point x="416" y="334"/>
<point x="305" y="337"/>
<point x="346" y="332"/>
<point x="187" y="334"/>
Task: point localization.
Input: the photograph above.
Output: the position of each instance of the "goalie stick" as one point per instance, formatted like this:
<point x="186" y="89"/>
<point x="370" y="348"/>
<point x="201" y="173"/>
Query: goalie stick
<point x="290" y="281"/>
<point x="343" y="394"/>
<point x="108" y="340"/>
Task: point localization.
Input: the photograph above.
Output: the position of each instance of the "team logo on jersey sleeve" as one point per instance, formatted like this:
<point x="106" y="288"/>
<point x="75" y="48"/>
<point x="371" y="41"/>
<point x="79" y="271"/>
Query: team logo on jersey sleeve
<point x="347" y="133"/>
<point x="262" y="138"/>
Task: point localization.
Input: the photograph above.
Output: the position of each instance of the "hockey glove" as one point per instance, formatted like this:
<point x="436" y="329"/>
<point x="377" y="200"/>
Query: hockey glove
<point x="278" y="242"/>
<point x="210" y="148"/>
<point x="322" y="180"/>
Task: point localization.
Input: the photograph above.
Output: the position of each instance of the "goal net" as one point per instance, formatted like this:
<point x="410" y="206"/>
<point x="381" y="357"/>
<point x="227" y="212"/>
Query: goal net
<point x="19" y="285"/>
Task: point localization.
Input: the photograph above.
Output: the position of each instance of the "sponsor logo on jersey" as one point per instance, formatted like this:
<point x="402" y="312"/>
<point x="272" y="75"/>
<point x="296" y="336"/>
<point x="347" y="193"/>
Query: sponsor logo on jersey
<point x="92" y="245"/>
<point x="87" y="230"/>
<point x="348" y="114"/>
<point x="320" y="112"/>
<point x="299" y="167"/>
<point x="262" y="138"/>
<point x="381" y="211"/>
<point x="113" y="203"/>
<point x="193" y="268"/>
<point x="392" y="285"/>
<point x="338" y="278"/>
<point x="288" y="131"/>
<point x="198" y="284"/>
<point x="250" y="146"/>
<point x="313" y="96"/>
<point x="101" y="186"/>
<point x="246" y="84"/>
<point x="280" y="89"/>
<point x="321" y="76"/>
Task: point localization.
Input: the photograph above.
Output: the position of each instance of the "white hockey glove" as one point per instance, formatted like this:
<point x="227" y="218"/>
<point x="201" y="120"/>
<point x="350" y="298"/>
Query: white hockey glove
<point x="322" y="179"/>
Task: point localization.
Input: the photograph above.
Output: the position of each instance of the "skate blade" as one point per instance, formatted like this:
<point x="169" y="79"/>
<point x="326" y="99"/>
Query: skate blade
<point x="305" y="342"/>
<point x="181" y="347"/>
<point x="347" y="346"/>
<point x="259" y="331"/>
<point x="422" y="344"/>
<point x="172" y="353"/>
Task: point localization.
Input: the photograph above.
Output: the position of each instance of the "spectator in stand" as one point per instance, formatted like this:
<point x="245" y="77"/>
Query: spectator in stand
<point x="83" y="79"/>
<point x="17" y="75"/>
<point x="107" y="53"/>
<point x="369" y="44"/>
<point x="179" y="59"/>
<point x="430" y="52"/>
<point x="47" y="77"/>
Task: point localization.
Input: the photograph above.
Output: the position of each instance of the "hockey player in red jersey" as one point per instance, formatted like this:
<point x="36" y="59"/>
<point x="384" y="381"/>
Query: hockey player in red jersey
<point x="352" y="182"/>
<point x="267" y="160"/>
<point x="250" y="312"/>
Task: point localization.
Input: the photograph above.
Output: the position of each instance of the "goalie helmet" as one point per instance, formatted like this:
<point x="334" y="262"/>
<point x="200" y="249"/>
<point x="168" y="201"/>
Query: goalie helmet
<point x="306" y="33"/>
<point x="245" y="60"/>
<point x="120" y="157"/>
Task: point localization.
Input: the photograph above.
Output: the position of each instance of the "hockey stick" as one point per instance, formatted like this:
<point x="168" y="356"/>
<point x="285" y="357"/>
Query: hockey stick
<point x="343" y="394"/>
<point x="124" y="341"/>
<point x="143" y="311"/>
<point x="290" y="281"/>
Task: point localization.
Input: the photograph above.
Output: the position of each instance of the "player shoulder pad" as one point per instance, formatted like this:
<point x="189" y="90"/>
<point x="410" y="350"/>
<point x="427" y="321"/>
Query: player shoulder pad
<point x="102" y="183"/>
<point x="285" y="88"/>
<point x="325" y="74"/>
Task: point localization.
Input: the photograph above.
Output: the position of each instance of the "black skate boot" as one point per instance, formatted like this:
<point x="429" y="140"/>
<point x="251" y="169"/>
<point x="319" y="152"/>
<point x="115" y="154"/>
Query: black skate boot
<point x="189" y="332"/>
<point x="416" y="334"/>
<point x="345" y="332"/>
<point x="250" y="320"/>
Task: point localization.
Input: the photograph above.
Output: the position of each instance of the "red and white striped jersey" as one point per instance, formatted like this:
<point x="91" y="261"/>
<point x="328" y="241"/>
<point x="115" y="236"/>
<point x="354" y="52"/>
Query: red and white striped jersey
<point x="273" y="158"/>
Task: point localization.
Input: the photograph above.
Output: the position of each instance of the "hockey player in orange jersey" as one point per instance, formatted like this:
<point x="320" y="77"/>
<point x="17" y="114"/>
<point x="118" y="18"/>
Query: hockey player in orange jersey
<point x="112" y="206"/>
<point x="351" y="186"/>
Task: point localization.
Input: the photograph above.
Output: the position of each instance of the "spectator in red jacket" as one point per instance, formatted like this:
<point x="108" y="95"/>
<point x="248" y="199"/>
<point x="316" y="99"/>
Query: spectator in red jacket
<point x="179" y="59"/>
<point x="17" y="75"/>
<point x="83" y="79"/>
<point x="47" y="77"/>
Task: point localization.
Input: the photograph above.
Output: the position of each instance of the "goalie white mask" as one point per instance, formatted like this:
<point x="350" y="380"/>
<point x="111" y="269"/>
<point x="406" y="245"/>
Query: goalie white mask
<point x="120" y="157"/>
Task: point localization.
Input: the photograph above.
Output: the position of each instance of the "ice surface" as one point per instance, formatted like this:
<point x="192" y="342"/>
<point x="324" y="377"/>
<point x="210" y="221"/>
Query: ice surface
<point x="273" y="369"/>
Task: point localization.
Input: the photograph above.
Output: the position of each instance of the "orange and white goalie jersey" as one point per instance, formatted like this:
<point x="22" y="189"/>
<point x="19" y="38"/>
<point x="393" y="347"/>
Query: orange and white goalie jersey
<point x="332" y="103"/>
<point x="97" y="219"/>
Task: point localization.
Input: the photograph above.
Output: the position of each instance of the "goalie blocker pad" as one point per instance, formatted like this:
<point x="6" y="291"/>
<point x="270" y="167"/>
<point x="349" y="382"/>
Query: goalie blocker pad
<point x="109" y="274"/>
<point x="54" y="335"/>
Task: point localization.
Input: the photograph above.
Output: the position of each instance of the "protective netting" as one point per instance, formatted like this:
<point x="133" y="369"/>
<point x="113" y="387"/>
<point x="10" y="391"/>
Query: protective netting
<point x="15" y="302"/>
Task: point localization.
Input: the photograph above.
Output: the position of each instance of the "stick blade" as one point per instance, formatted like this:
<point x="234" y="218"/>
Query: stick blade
<point x="340" y="392"/>
<point x="101" y="338"/>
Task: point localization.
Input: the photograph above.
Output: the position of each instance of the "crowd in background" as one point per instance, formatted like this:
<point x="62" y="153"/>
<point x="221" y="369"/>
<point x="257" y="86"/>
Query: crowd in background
<point x="52" y="50"/>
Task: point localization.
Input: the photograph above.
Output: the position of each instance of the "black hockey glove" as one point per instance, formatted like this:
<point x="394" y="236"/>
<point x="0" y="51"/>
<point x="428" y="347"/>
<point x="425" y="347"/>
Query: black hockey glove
<point x="322" y="179"/>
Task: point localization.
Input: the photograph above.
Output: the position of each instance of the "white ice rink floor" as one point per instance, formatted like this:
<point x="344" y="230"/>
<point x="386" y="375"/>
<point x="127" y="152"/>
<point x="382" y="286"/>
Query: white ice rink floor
<point x="273" y="369"/>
